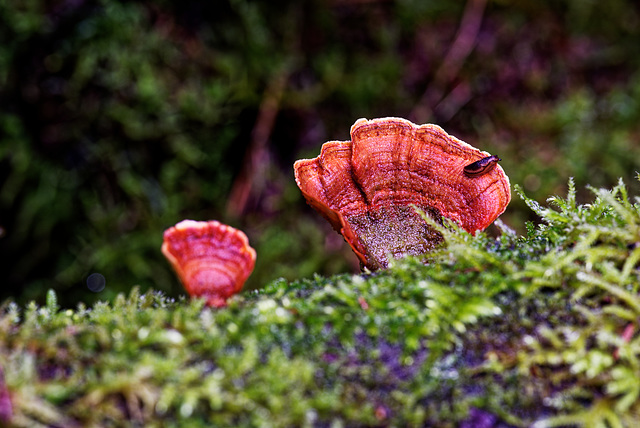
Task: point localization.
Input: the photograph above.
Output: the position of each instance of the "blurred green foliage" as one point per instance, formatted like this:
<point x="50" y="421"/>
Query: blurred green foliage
<point x="120" y="118"/>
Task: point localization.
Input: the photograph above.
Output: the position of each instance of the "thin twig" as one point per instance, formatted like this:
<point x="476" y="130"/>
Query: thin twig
<point x="256" y="158"/>
<point x="627" y="335"/>
<point x="460" y="49"/>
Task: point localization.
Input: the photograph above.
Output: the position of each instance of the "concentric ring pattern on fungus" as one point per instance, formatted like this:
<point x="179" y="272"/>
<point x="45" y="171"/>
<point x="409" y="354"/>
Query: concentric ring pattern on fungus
<point x="211" y="259"/>
<point x="366" y="187"/>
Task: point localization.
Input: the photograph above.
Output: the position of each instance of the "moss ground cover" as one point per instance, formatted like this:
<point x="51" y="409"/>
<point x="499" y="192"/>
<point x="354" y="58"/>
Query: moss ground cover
<point x="509" y="331"/>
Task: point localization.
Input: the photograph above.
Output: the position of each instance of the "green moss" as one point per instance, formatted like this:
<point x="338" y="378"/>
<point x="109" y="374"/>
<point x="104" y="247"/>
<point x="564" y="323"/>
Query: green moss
<point x="536" y="329"/>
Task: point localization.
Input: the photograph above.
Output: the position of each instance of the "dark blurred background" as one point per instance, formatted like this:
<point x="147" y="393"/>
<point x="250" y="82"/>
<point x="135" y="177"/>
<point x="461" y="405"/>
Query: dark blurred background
<point x="120" y="118"/>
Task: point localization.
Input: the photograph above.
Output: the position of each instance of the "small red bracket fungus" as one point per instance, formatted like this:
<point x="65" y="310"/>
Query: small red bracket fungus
<point x="211" y="259"/>
<point x="366" y="187"/>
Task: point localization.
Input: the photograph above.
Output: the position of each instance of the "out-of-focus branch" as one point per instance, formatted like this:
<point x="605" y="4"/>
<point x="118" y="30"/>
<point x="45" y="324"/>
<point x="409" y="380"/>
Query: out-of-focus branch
<point x="256" y="159"/>
<point x="460" y="49"/>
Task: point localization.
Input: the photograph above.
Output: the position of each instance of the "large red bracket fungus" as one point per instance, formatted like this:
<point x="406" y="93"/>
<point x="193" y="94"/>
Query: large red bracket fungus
<point x="211" y="259"/>
<point x="367" y="187"/>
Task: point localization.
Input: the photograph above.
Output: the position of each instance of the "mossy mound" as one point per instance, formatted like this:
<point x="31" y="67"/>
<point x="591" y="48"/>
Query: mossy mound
<point x="514" y="331"/>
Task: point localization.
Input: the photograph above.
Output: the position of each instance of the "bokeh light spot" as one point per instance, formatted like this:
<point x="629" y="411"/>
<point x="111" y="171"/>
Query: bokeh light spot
<point x="96" y="282"/>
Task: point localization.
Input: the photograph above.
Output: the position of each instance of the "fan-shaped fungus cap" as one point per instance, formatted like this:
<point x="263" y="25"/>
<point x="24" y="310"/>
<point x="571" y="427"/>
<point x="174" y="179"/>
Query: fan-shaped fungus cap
<point x="365" y="187"/>
<point x="211" y="259"/>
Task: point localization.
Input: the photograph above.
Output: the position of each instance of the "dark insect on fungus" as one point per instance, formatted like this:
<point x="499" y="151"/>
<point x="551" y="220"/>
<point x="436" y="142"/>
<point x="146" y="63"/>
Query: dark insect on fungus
<point x="481" y="167"/>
